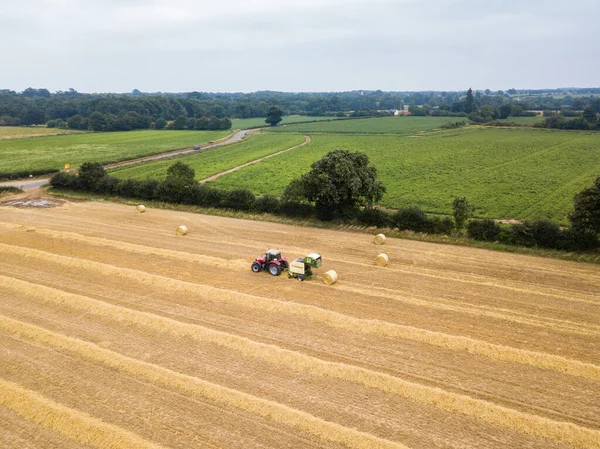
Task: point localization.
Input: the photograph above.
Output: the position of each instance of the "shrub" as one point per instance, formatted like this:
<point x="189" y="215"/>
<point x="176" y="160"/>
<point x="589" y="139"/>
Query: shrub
<point x="63" y="180"/>
<point x="522" y="235"/>
<point x="107" y="184"/>
<point x="9" y="189"/>
<point x="89" y="175"/>
<point x="546" y="234"/>
<point x="487" y="230"/>
<point x="296" y="209"/>
<point x="267" y="204"/>
<point x="239" y="199"/>
<point x="413" y="219"/>
<point x="578" y="238"/>
<point x="439" y="225"/>
<point x="374" y="217"/>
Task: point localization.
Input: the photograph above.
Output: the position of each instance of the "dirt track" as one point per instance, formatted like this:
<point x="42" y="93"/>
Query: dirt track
<point x="115" y="332"/>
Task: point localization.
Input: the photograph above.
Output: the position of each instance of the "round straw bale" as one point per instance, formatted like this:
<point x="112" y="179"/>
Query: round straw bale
<point x="329" y="277"/>
<point x="140" y="208"/>
<point x="379" y="239"/>
<point x="181" y="230"/>
<point x="382" y="260"/>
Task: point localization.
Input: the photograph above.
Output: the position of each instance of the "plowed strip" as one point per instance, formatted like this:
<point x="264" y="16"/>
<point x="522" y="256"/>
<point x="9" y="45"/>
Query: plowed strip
<point x="74" y="424"/>
<point x="478" y="409"/>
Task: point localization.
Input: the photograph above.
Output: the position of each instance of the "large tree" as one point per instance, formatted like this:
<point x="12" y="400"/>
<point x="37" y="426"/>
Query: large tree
<point x="338" y="184"/>
<point x="274" y="115"/>
<point x="469" y="102"/>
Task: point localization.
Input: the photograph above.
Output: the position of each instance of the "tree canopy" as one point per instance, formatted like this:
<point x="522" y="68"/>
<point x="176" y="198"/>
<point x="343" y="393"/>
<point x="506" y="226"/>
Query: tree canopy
<point x="337" y="184"/>
<point x="274" y="115"/>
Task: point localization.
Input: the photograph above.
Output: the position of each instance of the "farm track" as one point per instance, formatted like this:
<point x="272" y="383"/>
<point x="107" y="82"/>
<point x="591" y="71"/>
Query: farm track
<point x="307" y="140"/>
<point x="449" y="347"/>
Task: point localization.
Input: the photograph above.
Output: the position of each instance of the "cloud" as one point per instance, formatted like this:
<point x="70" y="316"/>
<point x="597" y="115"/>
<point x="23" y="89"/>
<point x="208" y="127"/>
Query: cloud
<point x="234" y="45"/>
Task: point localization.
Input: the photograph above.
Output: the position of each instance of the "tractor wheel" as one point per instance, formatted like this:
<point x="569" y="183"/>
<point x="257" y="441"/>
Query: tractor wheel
<point x="300" y="278"/>
<point x="256" y="267"/>
<point x="274" y="269"/>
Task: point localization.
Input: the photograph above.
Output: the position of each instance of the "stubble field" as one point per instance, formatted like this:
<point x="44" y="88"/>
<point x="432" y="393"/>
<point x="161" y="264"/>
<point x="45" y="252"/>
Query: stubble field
<point x="115" y="332"/>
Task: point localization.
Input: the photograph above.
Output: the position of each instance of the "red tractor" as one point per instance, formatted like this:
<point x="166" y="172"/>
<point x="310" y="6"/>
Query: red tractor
<point x="272" y="261"/>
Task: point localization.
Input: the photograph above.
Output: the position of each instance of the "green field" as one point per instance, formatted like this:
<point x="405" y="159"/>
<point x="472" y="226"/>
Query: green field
<point x="16" y="132"/>
<point x="216" y="160"/>
<point x="378" y="125"/>
<point x="54" y="151"/>
<point x="245" y="123"/>
<point x="506" y="173"/>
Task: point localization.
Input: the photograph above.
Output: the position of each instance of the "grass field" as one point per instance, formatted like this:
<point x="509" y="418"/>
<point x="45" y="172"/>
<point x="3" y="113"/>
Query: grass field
<point x="245" y="123"/>
<point x="117" y="333"/>
<point x="216" y="160"/>
<point x="55" y="151"/>
<point x="17" y="132"/>
<point x="378" y="125"/>
<point x="506" y="173"/>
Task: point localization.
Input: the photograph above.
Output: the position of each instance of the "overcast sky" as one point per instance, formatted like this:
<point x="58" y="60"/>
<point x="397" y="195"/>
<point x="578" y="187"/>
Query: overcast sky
<point x="298" y="45"/>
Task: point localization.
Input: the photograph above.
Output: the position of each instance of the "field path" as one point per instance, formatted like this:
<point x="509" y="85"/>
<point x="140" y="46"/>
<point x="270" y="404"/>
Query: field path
<point x="307" y="139"/>
<point x="116" y="332"/>
<point x="27" y="184"/>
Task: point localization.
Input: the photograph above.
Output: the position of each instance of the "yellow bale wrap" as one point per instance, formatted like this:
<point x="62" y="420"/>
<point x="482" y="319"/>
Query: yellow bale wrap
<point x="140" y="208"/>
<point x="181" y="230"/>
<point x="329" y="277"/>
<point x="379" y="239"/>
<point x="382" y="260"/>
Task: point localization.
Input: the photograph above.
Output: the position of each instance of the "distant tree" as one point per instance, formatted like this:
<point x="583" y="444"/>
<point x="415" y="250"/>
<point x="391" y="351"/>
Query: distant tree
<point x="337" y="184"/>
<point x="181" y="172"/>
<point x="274" y="115"/>
<point x="462" y="211"/>
<point x="469" y="102"/>
<point x="160" y="123"/>
<point x="589" y="115"/>
<point x="33" y="116"/>
<point x="179" y="123"/>
<point x="77" y="122"/>
<point x="97" y="121"/>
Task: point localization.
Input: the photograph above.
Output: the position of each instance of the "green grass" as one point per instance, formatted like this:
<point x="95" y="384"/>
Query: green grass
<point x="54" y="151"/>
<point x="506" y="173"/>
<point x="17" y="132"/>
<point x="216" y="160"/>
<point x="245" y="123"/>
<point x="379" y="125"/>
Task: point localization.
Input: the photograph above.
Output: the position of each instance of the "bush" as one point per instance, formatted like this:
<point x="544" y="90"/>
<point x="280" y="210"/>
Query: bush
<point x="546" y="234"/>
<point x="10" y="189"/>
<point x="107" y="184"/>
<point x="63" y="180"/>
<point x="89" y="175"/>
<point x="26" y="173"/>
<point x="413" y="219"/>
<point x="267" y="204"/>
<point x="486" y="230"/>
<point x="578" y="238"/>
<point x="240" y="199"/>
<point x="439" y="225"/>
<point x="136" y="188"/>
<point x="374" y="217"/>
<point x="297" y="209"/>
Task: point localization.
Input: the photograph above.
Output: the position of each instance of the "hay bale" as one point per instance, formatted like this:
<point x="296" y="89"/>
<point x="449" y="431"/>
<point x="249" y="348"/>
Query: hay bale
<point x="329" y="277"/>
<point x="181" y="230"/>
<point x="382" y="260"/>
<point x="379" y="239"/>
<point x="140" y="208"/>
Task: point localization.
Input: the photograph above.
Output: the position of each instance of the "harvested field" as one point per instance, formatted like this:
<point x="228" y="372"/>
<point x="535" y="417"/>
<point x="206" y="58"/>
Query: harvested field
<point x="115" y="332"/>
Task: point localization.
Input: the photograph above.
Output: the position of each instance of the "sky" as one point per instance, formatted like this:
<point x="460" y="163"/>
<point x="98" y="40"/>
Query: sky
<point x="298" y="45"/>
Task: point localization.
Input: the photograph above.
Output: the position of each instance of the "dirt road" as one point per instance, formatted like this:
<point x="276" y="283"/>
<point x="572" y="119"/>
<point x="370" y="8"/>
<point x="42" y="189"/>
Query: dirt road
<point x="113" y="329"/>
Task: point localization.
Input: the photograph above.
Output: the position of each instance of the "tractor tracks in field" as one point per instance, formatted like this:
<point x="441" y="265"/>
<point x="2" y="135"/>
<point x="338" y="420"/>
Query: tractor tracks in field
<point x="307" y="139"/>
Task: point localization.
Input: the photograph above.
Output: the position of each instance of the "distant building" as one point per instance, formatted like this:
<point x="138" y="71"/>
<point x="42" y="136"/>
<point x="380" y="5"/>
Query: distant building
<point x="404" y="111"/>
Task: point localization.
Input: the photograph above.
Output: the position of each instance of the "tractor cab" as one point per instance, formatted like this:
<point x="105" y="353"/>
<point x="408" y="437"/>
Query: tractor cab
<point x="272" y="261"/>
